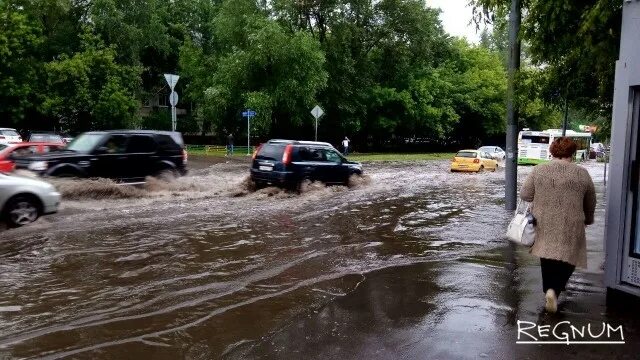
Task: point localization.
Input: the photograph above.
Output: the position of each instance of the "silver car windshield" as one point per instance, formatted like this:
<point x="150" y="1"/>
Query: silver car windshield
<point x="85" y="143"/>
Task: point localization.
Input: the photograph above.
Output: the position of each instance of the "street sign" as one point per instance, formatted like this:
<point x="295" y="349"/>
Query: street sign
<point x="317" y="112"/>
<point x="173" y="98"/>
<point x="248" y="114"/>
<point x="172" y="80"/>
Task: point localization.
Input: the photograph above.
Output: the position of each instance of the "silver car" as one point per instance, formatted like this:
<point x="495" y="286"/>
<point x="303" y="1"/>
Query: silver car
<point x="495" y="152"/>
<point x="9" y="136"/>
<point x="23" y="200"/>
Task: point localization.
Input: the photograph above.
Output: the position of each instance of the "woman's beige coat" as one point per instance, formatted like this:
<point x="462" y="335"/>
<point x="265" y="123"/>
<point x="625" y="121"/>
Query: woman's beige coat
<point x="564" y="202"/>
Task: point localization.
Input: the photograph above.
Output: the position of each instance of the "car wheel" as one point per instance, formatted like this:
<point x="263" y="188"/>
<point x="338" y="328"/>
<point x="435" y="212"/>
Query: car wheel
<point x="301" y="185"/>
<point x="481" y="169"/>
<point x="166" y="175"/>
<point x="22" y="210"/>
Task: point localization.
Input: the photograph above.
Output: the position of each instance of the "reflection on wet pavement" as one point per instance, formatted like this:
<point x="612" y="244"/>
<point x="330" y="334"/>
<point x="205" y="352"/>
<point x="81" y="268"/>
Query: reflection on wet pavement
<point x="412" y="259"/>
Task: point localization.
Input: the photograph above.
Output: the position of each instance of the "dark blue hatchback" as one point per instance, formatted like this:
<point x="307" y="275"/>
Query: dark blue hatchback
<point x="287" y="163"/>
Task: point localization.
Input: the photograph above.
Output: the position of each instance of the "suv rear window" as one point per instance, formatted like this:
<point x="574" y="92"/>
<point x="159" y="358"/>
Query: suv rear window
<point x="271" y="152"/>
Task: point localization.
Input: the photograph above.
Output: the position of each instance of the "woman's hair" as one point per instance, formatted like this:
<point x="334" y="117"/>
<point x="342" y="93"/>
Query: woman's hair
<point x="563" y="147"/>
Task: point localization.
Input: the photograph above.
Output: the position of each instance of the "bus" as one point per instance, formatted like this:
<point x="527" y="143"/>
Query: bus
<point x="533" y="146"/>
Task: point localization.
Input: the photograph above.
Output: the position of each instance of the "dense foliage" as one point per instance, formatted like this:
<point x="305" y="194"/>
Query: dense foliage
<point x="576" y="43"/>
<point x="385" y="72"/>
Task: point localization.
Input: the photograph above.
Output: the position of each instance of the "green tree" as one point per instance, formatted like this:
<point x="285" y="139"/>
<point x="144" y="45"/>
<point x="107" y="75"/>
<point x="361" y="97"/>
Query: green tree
<point x="257" y="64"/>
<point x="576" y="40"/>
<point x="20" y="68"/>
<point x="89" y="90"/>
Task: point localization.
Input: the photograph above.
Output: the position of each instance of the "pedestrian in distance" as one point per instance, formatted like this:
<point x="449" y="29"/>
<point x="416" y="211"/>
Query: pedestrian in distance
<point x="563" y="201"/>
<point x="229" y="145"/>
<point x="345" y="146"/>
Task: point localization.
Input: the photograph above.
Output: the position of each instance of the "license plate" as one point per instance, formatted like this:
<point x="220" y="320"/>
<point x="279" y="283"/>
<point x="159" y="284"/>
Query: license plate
<point x="266" y="168"/>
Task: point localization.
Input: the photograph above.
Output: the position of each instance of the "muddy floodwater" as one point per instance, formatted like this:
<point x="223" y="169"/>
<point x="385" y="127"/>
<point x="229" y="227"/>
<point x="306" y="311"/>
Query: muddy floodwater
<point x="205" y="268"/>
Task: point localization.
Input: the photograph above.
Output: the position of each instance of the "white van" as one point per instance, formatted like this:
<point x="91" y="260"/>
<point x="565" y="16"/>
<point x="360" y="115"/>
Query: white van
<point x="9" y="136"/>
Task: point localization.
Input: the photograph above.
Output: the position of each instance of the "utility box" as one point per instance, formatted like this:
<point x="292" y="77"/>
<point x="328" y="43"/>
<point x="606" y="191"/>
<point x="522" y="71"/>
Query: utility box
<point x="622" y="235"/>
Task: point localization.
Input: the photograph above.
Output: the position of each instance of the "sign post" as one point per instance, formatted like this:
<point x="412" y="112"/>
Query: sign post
<point x="248" y="114"/>
<point x="511" y="162"/>
<point x="172" y="80"/>
<point x="317" y="112"/>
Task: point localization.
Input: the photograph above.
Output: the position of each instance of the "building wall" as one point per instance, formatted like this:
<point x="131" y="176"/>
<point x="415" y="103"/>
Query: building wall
<point x="159" y="101"/>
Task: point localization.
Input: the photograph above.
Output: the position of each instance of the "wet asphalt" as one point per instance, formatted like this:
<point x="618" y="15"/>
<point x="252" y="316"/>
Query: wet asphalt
<point x="409" y="262"/>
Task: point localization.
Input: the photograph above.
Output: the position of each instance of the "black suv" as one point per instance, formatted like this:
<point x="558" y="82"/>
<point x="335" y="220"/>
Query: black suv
<point x="125" y="155"/>
<point x="287" y="163"/>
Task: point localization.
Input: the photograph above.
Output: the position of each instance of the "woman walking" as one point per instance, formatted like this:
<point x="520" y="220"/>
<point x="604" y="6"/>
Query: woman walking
<point x="563" y="201"/>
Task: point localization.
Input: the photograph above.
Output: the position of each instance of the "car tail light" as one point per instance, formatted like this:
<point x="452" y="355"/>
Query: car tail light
<point x="185" y="156"/>
<point x="476" y="161"/>
<point x="286" y="157"/>
<point x="256" y="151"/>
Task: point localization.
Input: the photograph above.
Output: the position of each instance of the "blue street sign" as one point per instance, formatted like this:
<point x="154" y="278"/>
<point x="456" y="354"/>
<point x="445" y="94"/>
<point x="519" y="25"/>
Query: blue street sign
<point x="248" y="113"/>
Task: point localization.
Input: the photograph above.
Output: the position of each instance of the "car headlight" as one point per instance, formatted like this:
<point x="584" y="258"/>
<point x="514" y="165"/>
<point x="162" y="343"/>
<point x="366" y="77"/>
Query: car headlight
<point x="38" y="166"/>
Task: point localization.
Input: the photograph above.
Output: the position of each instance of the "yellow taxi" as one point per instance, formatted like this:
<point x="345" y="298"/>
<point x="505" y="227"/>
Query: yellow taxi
<point x="473" y="161"/>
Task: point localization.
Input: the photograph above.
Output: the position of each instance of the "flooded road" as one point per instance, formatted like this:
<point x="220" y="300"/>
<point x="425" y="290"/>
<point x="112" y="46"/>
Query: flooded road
<point x="205" y="268"/>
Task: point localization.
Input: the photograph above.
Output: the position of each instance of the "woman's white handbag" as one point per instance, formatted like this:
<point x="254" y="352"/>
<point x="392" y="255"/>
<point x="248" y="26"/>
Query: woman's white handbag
<point x="521" y="230"/>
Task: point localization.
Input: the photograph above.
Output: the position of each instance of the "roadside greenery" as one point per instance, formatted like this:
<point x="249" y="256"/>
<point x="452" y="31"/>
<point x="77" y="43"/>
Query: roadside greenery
<point x="577" y="45"/>
<point x="366" y="157"/>
<point x="385" y="72"/>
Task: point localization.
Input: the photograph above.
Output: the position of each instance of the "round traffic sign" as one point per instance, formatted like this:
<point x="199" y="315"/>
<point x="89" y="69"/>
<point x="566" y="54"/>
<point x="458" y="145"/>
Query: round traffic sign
<point x="173" y="98"/>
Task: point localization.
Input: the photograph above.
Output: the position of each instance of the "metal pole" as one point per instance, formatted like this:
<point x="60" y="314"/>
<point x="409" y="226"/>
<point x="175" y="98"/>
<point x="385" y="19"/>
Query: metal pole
<point x="173" y="118"/>
<point x="511" y="162"/>
<point x="316" y="128"/>
<point x="248" y="134"/>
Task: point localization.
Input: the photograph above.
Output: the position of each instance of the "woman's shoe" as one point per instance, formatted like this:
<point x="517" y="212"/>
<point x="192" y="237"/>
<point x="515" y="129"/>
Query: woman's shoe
<point x="552" y="301"/>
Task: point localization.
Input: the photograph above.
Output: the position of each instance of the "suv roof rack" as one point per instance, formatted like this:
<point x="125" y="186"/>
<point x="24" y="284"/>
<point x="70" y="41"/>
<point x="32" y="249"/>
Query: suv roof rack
<point x="298" y="142"/>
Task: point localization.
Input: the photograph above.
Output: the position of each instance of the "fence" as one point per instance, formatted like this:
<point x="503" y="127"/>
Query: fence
<point x="218" y="149"/>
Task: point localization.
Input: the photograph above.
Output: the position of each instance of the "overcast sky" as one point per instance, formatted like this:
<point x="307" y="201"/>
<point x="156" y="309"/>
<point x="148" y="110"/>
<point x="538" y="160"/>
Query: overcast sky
<point x="455" y="17"/>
